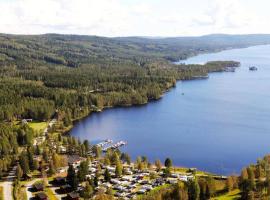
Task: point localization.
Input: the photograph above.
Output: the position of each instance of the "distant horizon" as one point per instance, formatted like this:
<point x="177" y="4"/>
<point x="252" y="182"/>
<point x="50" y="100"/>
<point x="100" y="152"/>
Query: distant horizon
<point x="135" y="36"/>
<point x="122" y="18"/>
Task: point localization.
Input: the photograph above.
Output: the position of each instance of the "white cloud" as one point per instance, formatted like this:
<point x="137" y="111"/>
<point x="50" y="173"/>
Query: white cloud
<point x="134" y="17"/>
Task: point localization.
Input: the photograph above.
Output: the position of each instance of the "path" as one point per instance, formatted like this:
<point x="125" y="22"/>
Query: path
<point x="28" y="187"/>
<point x="8" y="184"/>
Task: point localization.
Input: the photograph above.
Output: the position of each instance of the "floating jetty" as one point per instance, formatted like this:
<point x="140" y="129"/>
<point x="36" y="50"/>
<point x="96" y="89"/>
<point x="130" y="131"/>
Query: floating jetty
<point x="108" y="144"/>
<point x="115" y="145"/>
<point x="104" y="143"/>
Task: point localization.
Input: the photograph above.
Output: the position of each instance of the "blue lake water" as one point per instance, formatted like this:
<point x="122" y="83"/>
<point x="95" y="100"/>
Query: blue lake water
<point x="220" y="124"/>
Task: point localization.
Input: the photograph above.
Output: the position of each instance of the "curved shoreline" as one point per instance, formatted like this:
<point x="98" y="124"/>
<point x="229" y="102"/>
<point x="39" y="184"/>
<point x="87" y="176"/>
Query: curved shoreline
<point x="201" y="77"/>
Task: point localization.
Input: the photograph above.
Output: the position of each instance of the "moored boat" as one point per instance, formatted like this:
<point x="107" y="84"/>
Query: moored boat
<point x="253" y="68"/>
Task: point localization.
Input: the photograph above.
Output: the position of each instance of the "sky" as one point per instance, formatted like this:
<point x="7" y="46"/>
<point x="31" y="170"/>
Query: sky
<point x="135" y="17"/>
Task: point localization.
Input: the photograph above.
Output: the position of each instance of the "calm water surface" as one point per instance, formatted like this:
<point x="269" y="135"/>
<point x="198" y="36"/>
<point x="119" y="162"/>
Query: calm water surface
<point x="220" y="124"/>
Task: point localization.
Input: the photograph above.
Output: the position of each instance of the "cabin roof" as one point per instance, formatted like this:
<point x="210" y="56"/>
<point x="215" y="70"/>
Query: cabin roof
<point x="73" y="195"/>
<point x="42" y="195"/>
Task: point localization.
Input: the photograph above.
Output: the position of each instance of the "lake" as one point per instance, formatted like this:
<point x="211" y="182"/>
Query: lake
<point x="220" y="124"/>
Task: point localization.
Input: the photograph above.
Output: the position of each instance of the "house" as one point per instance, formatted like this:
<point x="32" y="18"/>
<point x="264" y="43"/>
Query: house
<point x="25" y="121"/>
<point x="147" y="187"/>
<point x="141" y="191"/>
<point x="65" y="188"/>
<point x="92" y="169"/>
<point x="107" y="185"/>
<point x="75" y="160"/>
<point x="62" y="149"/>
<point x="172" y="181"/>
<point x="110" y="169"/>
<point x="59" y="180"/>
<point x="174" y="175"/>
<point x="62" y="169"/>
<point x="127" y="178"/>
<point x="118" y="187"/>
<point x="192" y="170"/>
<point x="73" y="196"/>
<point x="115" y="181"/>
<point x="41" y="196"/>
<point x="118" y="194"/>
<point x="143" y="182"/>
<point x="38" y="187"/>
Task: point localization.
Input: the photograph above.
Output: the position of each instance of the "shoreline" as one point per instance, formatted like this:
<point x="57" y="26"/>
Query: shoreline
<point x="100" y="110"/>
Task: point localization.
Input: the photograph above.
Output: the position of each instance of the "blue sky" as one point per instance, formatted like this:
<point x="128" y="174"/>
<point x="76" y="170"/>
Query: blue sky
<point x="135" y="17"/>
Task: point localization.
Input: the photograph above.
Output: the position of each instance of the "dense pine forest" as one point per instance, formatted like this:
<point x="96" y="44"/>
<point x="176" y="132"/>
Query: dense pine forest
<point x="70" y="76"/>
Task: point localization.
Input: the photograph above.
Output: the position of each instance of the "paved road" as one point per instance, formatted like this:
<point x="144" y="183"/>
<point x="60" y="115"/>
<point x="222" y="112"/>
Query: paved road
<point x="8" y="184"/>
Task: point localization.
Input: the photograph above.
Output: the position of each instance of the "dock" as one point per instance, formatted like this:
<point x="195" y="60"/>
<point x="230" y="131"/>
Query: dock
<point x="115" y="145"/>
<point x="108" y="144"/>
<point x="104" y="143"/>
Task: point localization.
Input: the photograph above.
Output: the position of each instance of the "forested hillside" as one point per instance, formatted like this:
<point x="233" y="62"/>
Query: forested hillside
<point x="74" y="50"/>
<point x="66" y="77"/>
<point x="70" y="76"/>
<point x="78" y="74"/>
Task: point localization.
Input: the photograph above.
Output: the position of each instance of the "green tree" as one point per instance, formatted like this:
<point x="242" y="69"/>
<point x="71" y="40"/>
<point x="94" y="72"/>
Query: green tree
<point x="158" y="165"/>
<point x="88" y="191"/>
<point x="193" y="190"/>
<point x="230" y="183"/>
<point x="107" y="175"/>
<point x="24" y="163"/>
<point x="51" y="168"/>
<point x="72" y="179"/>
<point x="19" y="172"/>
<point x="168" y="163"/>
<point x="83" y="170"/>
<point x="97" y="151"/>
<point x="118" y="169"/>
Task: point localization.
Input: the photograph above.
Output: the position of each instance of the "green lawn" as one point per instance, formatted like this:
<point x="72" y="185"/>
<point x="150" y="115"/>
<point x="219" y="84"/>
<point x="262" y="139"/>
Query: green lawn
<point x="233" y="195"/>
<point x="50" y="194"/>
<point x="1" y="193"/>
<point x="38" y="126"/>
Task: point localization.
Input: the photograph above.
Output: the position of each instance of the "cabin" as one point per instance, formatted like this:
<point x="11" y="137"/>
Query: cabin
<point x="65" y="188"/>
<point x="63" y="149"/>
<point x="59" y="180"/>
<point x="75" y="160"/>
<point x="41" y="196"/>
<point x="38" y="187"/>
<point x="25" y="121"/>
<point x="73" y="196"/>
<point x="141" y="191"/>
<point x="183" y="178"/>
<point x="147" y="187"/>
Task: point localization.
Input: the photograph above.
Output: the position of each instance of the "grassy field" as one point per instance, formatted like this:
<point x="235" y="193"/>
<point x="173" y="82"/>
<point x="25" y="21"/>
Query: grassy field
<point x="1" y="193"/>
<point x="38" y="126"/>
<point x="50" y="194"/>
<point x="233" y="195"/>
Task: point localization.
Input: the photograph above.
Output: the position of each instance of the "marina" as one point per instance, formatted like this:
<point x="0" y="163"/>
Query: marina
<point x="108" y="144"/>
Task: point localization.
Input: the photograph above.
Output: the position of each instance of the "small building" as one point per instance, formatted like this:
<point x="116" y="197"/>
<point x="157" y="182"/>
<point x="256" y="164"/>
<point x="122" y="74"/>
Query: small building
<point x="75" y="160"/>
<point x="63" y="149"/>
<point x="38" y="187"/>
<point x="59" y="180"/>
<point x="73" y="196"/>
<point x="41" y="196"/>
<point x="141" y="191"/>
<point x="183" y="178"/>
<point x="174" y="175"/>
<point x="65" y="188"/>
